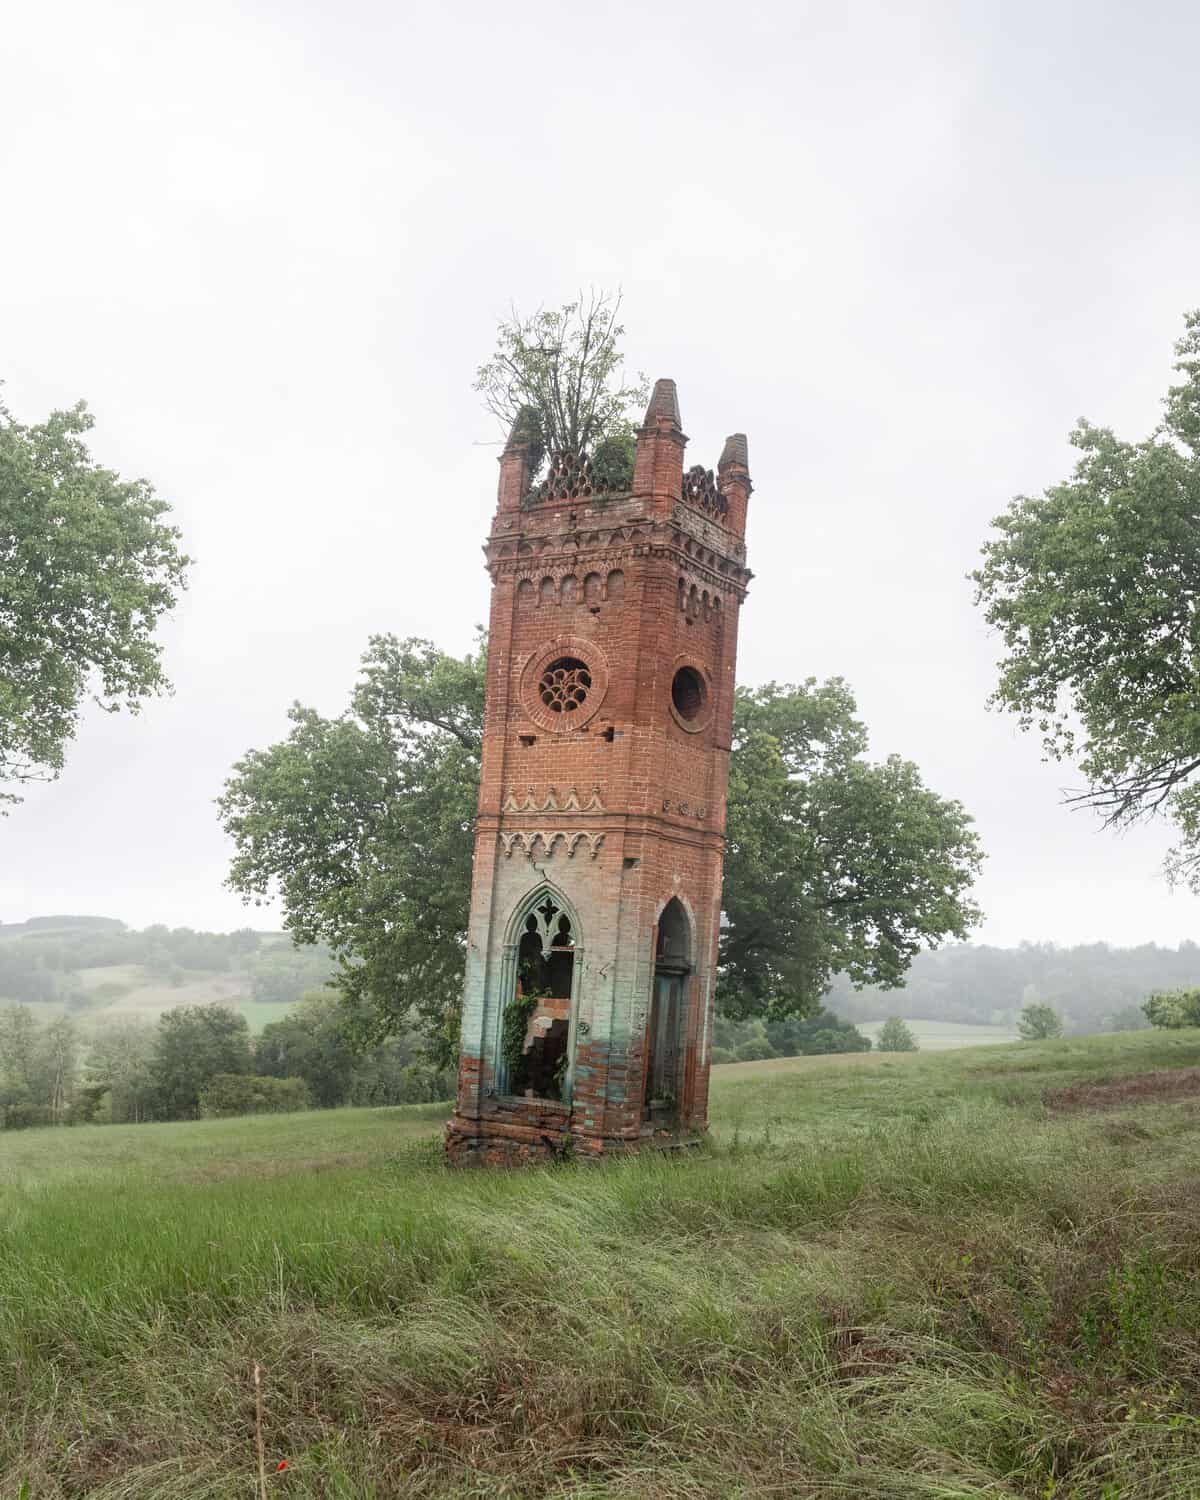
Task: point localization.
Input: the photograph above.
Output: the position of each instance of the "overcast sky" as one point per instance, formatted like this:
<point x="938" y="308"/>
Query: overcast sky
<point x="902" y="247"/>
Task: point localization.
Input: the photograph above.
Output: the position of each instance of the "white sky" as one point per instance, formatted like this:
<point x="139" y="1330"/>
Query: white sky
<point x="902" y="247"/>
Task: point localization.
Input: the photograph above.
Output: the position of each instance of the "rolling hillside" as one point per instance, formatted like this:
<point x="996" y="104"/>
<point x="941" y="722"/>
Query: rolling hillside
<point x="92" y="967"/>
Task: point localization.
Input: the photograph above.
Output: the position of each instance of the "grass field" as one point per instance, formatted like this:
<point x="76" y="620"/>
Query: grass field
<point x="889" y="1276"/>
<point x="941" y="1036"/>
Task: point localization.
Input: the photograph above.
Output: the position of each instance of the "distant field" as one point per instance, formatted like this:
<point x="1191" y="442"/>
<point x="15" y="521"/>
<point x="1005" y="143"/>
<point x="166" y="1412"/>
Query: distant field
<point x="939" y="1036"/>
<point x="972" y="1276"/>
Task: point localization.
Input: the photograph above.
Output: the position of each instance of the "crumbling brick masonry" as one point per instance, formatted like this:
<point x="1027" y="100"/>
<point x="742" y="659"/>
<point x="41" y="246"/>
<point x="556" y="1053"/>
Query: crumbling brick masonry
<point x="596" y="897"/>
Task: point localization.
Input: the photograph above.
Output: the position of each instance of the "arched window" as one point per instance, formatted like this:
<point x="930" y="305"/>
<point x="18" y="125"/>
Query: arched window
<point x="674" y="937"/>
<point x="535" y="1028"/>
<point x="666" y="1024"/>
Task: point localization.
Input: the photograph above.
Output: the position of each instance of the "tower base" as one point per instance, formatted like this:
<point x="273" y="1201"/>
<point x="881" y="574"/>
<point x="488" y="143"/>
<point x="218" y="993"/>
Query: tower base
<point x="542" y="1133"/>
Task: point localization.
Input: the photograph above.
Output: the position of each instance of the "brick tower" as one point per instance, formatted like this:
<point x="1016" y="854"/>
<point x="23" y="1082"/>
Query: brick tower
<point x="596" y="897"/>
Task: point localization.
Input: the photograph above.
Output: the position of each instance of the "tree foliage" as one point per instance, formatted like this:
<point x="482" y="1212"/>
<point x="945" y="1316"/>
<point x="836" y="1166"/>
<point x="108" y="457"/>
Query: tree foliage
<point x="120" y="1084"/>
<point x="194" y="1043"/>
<point x="895" y="1036"/>
<point x="310" y="1043"/>
<point x="1039" y="1022"/>
<point x="362" y="826"/>
<point x="560" y="374"/>
<point x="87" y="569"/>
<point x="1093" y="588"/>
<point x="1174" y="1008"/>
<point x="228" y="1094"/>
<point x="834" y="864"/>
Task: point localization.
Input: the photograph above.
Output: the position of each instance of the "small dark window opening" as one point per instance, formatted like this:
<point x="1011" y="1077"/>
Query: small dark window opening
<point x="527" y="739"/>
<point x="608" y="734"/>
<point x="687" y="693"/>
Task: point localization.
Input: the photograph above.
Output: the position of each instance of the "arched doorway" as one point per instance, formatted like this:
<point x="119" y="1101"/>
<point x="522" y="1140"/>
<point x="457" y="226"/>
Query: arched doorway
<point x="536" y="1024"/>
<point x="664" y="1040"/>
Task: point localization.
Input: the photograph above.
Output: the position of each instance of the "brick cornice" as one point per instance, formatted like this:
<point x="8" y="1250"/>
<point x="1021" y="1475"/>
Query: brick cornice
<point x="557" y="554"/>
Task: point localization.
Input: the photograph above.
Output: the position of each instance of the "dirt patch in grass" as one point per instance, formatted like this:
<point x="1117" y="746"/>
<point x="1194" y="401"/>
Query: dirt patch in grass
<point x="1113" y="1093"/>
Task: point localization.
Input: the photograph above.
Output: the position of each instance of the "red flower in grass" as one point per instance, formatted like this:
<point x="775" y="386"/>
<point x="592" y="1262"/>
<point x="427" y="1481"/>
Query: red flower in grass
<point x="281" y="1465"/>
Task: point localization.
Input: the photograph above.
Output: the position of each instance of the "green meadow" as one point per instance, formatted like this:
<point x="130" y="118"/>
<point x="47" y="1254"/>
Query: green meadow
<point x="972" y="1274"/>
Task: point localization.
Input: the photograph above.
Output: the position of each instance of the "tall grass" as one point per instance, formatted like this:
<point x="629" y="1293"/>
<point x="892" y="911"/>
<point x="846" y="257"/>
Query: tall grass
<point x="892" y="1279"/>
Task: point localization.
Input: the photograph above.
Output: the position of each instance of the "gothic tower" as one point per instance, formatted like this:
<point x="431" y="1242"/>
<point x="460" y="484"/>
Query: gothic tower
<point x="596" y="897"/>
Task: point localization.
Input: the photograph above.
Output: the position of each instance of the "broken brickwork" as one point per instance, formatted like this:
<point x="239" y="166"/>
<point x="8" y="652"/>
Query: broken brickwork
<point x="595" y="902"/>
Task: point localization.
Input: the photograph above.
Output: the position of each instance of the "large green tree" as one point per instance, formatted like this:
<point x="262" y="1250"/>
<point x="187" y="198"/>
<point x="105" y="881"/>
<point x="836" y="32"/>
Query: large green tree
<point x="835" y="864"/>
<point x="1093" y="587"/>
<point x="362" y="827"/>
<point x="87" y="568"/>
<point x="194" y="1043"/>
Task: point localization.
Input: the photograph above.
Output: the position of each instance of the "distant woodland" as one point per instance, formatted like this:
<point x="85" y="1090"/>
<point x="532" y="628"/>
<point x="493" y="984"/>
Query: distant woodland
<point x="94" y="963"/>
<point x="1093" y="987"/>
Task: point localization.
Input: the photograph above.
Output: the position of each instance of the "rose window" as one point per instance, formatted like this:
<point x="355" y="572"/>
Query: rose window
<point x="565" y="684"/>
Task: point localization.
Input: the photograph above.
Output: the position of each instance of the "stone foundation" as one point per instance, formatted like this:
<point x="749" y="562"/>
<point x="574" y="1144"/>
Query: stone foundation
<point x="524" y="1132"/>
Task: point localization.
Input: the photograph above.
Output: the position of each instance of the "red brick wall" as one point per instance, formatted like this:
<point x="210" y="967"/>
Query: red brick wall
<point x="624" y="809"/>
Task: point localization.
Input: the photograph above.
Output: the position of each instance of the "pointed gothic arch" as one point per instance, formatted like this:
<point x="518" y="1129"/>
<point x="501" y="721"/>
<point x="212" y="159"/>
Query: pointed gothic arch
<point x="675" y="947"/>
<point x="542" y="967"/>
<point x="666" y="1028"/>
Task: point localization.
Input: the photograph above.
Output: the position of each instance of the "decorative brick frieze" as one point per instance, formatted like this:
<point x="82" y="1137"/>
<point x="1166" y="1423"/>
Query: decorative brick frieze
<point x="551" y="799"/>
<point x="543" y="843"/>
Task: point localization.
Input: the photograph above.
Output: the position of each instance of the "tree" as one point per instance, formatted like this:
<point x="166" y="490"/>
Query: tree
<point x="59" y="1058"/>
<point x="895" y="1036"/>
<point x="1039" y="1022"/>
<point x="833" y="864"/>
<point x="310" y="1044"/>
<point x="558" y="374"/>
<point x="87" y="568"/>
<point x="38" y="1068"/>
<point x="20" y="1103"/>
<point x="815" y="1035"/>
<point x="362" y="825"/>
<point x="228" y="1094"/>
<point x="194" y="1044"/>
<point x="757" y="1049"/>
<point x="1092" y="586"/>
<point x="119" y="1072"/>
<point x="1174" y="1008"/>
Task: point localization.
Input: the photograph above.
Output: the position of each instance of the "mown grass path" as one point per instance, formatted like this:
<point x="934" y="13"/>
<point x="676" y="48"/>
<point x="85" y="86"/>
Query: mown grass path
<point x="889" y="1277"/>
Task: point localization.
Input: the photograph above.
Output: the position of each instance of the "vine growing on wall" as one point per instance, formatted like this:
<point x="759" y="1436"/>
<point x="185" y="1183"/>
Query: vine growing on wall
<point x="512" y="1038"/>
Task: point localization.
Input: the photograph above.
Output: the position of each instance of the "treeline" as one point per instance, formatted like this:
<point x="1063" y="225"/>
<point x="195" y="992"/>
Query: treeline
<point x="41" y="960"/>
<point x="1092" y="987"/>
<point x="199" y="1061"/>
<point x="754" y="1041"/>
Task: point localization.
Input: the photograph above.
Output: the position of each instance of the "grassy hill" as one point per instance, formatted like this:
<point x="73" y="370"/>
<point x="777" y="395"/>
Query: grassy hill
<point x="96" y="967"/>
<point x="965" y="1275"/>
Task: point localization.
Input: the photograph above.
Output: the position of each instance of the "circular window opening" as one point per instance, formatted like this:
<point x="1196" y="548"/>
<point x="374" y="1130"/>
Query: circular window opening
<point x="565" y="684"/>
<point x="687" y="693"/>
